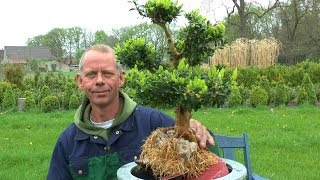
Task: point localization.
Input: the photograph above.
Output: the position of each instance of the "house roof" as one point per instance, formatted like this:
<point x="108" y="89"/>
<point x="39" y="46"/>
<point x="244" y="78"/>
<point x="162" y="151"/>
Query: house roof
<point x="27" y="53"/>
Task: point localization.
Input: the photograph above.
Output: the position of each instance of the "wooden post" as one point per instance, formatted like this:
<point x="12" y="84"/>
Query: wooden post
<point x="21" y="104"/>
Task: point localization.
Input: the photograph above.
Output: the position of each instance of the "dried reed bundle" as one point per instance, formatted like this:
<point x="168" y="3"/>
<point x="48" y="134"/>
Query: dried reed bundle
<point x="244" y="52"/>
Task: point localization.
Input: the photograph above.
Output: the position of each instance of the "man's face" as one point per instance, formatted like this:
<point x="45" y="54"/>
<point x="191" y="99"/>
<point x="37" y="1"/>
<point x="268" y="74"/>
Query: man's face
<point x="100" y="78"/>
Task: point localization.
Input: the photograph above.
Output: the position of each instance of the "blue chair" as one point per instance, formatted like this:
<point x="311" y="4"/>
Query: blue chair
<point x="228" y="145"/>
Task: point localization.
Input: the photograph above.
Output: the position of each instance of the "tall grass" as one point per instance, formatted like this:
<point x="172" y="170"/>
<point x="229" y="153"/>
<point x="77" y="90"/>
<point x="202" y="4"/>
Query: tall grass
<point x="284" y="141"/>
<point x="244" y="52"/>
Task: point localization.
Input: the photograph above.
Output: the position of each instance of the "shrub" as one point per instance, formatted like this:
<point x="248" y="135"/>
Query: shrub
<point x="292" y="93"/>
<point x="13" y="73"/>
<point x="64" y="98"/>
<point x="28" y="83"/>
<point x="9" y="99"/>
<point x="264" y="83"/>
<point x="309" y="88"/>
<point x="281" y="95"/>
<point x="317" y="87"/>
<point x="3" y="88"/>
<point x="302" y="95"/>
<point x="258" y="96"/>
<point x="248" y="76"/>
<point x="275" y="73"/>
<point x="74" y="102"/>
<point x="245" y="94"/>
<point x="312" y="68"/>
<point x="234" y="99"/>
<point x="45" y="92"/>
<point x="295" y="75"/>
<point x="30" y="99"/>
<point x="49" y="103"/>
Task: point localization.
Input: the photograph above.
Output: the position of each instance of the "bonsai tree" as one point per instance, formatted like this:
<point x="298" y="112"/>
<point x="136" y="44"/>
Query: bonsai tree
<point x="174" y="151"/>
<point x="196" y="42"/>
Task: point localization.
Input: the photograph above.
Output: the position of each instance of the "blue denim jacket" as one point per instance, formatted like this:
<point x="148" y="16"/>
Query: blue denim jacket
<point x="78" y="155"/>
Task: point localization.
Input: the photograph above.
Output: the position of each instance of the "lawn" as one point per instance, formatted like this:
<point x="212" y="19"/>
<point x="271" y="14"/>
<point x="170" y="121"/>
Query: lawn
<point x="284" y="141"/>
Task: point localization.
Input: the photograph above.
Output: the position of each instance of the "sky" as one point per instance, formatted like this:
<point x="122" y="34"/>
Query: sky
<point x="23" y="19"/>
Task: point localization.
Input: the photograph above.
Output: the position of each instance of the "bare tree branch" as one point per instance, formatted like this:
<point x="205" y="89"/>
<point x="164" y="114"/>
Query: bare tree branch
<point x="266" y="10"/>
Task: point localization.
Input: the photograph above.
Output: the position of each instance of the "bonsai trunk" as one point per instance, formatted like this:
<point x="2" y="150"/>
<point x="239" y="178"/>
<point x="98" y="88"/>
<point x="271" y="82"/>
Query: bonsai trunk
<point x="183" y="116"/>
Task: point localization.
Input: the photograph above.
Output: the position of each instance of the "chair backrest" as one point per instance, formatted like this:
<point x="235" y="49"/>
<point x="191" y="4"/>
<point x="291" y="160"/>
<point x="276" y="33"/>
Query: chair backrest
<point x="228" y="145"/>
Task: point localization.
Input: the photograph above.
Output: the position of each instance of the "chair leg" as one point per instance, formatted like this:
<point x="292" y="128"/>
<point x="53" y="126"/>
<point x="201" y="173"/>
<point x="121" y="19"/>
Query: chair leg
<point x="257" y="177"/>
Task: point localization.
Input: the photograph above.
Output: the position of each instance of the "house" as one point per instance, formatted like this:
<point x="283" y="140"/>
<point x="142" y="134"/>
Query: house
<point x="22" y="54"/>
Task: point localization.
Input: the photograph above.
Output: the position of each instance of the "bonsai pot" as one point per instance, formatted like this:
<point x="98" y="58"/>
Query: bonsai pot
<point x="235" y="171"/>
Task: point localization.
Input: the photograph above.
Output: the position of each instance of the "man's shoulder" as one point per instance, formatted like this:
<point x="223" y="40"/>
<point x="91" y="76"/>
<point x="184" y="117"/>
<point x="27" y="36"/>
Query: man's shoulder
<point x="69" y="132"/>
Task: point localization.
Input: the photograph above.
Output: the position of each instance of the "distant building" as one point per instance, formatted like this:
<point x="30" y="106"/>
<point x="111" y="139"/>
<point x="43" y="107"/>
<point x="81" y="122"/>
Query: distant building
<point x="21" y="54"/>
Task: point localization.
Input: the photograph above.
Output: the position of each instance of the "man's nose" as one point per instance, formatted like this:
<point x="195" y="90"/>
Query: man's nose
<point x="99" y="78"/>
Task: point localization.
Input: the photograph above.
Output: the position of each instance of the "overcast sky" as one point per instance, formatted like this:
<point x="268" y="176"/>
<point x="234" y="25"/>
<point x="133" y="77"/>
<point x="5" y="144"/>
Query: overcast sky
<point x="23" y="19"/>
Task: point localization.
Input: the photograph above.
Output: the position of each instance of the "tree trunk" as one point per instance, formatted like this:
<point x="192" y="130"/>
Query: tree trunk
<point x="183" y="116"/>
<point x="176" y="56"/>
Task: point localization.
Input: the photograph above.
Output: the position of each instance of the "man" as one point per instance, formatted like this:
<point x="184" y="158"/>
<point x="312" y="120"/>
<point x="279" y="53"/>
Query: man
<point x="109" y="128"/>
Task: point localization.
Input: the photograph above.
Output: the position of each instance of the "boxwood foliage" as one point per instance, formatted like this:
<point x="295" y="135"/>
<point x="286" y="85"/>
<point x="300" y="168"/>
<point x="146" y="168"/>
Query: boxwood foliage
<point x="9" y="99"/>
<point x="3" y="87"/>
<point x="50" y="103"/>
<point x="191" y="87"/>
<point x="258" y="96"/>
<point x="307" y="84"/>
<point x="30" y="99"/>
<point x="139" y="52"/>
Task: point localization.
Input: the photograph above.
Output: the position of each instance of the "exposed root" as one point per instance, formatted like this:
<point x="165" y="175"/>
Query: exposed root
<point x="169" y="153"/>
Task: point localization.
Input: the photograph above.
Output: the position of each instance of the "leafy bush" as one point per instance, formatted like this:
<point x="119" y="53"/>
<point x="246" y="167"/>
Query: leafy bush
<point x="13" y="73"/>
<point x="45" y="92"/>
<point x="302" y="95"/>
<point x="245" y="93"/>
<point x="312" y="68"/>
<point x="279" y="94"/>
<point x="292" y="94"/>
<point x="263" y="82"/>
<point x="3" y="87"/>
<point x="276" y="73"/>
<point x="295" y="75"/>
<point x="9" y="99"/>
<point x="309" y="88"/>
<point x="30" y="99"/>
<point x="74" y="101"/>
<point x="49" y="103"/>
<point x="317" y="87"/>
<point x="70" y="88"/>
<point x="258" y="96"/>
<point x="234" y="99"/>
<point x="248" y="76"/>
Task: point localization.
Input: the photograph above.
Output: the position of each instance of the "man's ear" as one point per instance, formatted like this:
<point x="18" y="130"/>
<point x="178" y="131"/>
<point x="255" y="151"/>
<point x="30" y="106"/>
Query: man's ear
<point x="79" y="81"/>
<point x="122" y="78"/>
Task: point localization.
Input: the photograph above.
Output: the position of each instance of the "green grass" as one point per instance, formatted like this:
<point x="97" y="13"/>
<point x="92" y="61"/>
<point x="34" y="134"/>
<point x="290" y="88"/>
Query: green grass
<point x="284" y="142"/>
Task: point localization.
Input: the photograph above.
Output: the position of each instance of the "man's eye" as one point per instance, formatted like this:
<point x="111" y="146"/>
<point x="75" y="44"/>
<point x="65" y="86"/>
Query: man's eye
<point x="90" y="74"/>
<point x="108" y="74"/>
